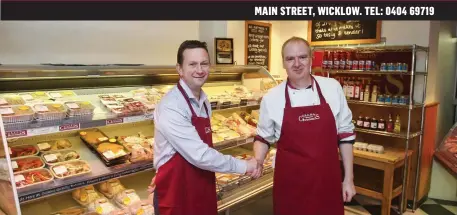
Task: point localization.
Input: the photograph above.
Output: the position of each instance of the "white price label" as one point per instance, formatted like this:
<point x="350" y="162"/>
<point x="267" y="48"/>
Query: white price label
<point x="109" y="154"/>
<point x="6" y="110"/>
<point x="56" y="95"/>
<point x="14" y="165"/>
<point x="44" y="146"/>
<point x="73" y="105"/>
<point x="120" y="153"/>
<point x="50" y="157"/>
<point x="3" y="101"/>
<point x="252" y="103"/>
<point x="60" y="170"/>
<point x="27" y="97"/>
<point x="250" y="140"/>
<point x="41" y="108"/>
<point x="18" y="178"/>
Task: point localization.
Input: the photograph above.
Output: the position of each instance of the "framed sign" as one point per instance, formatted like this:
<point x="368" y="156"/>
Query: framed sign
<point x="335" y="32"/>
<point x="258" y="44"/>
<point x="224" y="50"/>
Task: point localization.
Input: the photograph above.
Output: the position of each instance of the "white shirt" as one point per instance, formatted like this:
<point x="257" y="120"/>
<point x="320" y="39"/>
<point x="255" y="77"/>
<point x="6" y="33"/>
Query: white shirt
<point x="273" y="103"/>
<point x="174" y="132"/>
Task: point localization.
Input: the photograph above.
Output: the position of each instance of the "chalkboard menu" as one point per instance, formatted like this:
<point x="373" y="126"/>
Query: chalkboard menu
<point x="258" y="44"/>
<point x="330" y="32"/>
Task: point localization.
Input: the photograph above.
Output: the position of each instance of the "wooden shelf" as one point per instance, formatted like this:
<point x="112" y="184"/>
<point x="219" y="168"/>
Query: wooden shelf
<point x="417" y="105"/>
<point x="366" y="72"/>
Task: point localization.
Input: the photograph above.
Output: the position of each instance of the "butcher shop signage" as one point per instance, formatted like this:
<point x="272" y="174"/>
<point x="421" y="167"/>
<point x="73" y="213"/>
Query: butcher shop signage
<point x="308" y="117"/>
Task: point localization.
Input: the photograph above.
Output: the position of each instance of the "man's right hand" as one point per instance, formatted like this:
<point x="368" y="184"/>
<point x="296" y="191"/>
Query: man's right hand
<point x="254" y="169"/>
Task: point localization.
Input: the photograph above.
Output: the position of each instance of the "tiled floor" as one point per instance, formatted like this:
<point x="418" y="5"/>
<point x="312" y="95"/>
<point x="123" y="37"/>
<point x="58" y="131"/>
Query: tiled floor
<point x="360" y="206"/>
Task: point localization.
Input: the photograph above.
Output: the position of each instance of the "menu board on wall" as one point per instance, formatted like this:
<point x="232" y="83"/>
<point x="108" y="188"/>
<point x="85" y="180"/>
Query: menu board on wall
<point x="331" y="32"/>
<point x="258" y="44"/>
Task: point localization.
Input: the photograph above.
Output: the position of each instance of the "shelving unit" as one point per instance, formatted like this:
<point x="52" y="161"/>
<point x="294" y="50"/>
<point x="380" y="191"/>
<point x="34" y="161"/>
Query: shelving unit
<point x="88" y="82"/>
<point x="416" y="73"/>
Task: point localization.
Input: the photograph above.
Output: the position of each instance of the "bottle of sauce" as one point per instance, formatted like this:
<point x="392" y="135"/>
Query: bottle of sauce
<point x="390" y="124"/>
<point x="343" y="58"/>
<point x="381" y="125"/>
<point x="355" y="62"/>
<point x="374" y="124"/>
<point x="361" y="96"/>
<point x="366" y="94"/>
<point x="345" y="87"/>
<point x="357" y="90"/>
<point x="374" y="94"/>
<point x="348" y="60"/>
<point x="350" y="89"/>
<point x="361" y="62"/>
<point x="366" y="123"/>
<point x="397" y="126"/>
<point x="336" y="60"/>
<point x="360" y="122"/>
<point x="325" y="60"/>
<point x="330" y="60"/>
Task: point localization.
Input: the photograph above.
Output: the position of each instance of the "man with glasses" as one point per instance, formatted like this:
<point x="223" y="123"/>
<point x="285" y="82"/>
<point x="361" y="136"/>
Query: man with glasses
<point x="184" y="157"/>
<point x="309" y="118"/>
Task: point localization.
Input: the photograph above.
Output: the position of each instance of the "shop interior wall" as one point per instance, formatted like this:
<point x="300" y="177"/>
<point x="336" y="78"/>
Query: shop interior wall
<point x="443" y="55"/>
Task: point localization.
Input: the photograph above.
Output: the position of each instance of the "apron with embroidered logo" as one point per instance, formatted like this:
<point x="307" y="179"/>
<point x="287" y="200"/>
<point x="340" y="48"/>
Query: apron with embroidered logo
<point x="307" y="178"/>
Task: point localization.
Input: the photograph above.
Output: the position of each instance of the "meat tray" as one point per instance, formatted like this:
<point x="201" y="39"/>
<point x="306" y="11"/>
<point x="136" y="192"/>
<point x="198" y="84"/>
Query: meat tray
<point x="29" y="178"/>
<point x="73" y="168"/>
<point x="27" y="163"/>
<point x="16" y="113"/>
<point x="50" y="111"/>
<point x="23" y="150"/>
<point x="60" y="157"/>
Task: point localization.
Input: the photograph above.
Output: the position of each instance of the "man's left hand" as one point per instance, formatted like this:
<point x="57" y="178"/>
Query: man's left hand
<point x="348" y="190"/>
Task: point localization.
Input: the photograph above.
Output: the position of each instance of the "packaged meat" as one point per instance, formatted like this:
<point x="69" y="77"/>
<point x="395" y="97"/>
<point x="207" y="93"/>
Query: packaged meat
<point x="142" y="207"/>
<point x="217" y="138"/>
<point x="85" y="195"/>
<point x="11" y="100"/>
<point x="32" y="178"/>
<point x="27" y="163"/>
<point x="71" y="211"/>
<point x="107" y="99"/>
<point x="70" y="169"/>
<point x="24" y="150"/>
<point x="54" y="158"/>
<point x="50" y="111"/>
<point x="59" y="95"/>
<point x="110" y="188"/>
<point x="16" y="114"/>
<point x="140" y="153"/>
<point x="34" y="97"/>
<point x="139" y="139"/>
<point x="54" y="145"/>
<point x="78" y="108"/>
<point x="126" y="198"/>
<point x="101" y="206"/>
<point x="93" y="137"/>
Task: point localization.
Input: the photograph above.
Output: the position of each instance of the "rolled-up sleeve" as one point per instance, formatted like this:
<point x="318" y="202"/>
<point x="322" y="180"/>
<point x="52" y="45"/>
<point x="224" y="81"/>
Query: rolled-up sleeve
<point x="183" y="136"/>
<point x="344" y="119"/>
<point x="265" y="126"/>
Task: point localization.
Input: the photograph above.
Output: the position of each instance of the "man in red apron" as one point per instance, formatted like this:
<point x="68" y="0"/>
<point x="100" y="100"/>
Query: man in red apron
<point x="309" y="119"/>
<point x="184" y="157"/>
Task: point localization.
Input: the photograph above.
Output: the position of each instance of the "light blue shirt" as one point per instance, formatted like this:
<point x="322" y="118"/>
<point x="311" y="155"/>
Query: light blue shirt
<point x="174" y="132"/>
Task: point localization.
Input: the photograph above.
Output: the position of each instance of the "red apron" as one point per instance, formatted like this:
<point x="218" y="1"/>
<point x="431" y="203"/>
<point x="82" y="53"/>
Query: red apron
<point x="182" y="188"/>
<point x="307" y="178"/>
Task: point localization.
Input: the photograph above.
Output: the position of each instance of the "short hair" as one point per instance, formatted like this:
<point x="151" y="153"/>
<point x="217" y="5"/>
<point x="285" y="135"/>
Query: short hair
<point x="295" y="39"/>
<point x="190" y="44"/>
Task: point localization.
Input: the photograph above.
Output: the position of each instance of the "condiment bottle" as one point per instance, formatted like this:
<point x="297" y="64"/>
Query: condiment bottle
<point x="374" y="124"/>
<point x="390" y="124"/>
<point x="360" y="122"/>
<point x="374" y="94"/>
<point x="366" y="94"/>
<point x="357" y="90"/>
<point x="325" y="60"/>
<point x="381" y="125"/>
<point x="397" y="127"/>
<point x="366" y="123"/>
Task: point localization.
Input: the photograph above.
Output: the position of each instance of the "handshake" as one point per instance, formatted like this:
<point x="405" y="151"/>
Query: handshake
<point x="254" y="168"/>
